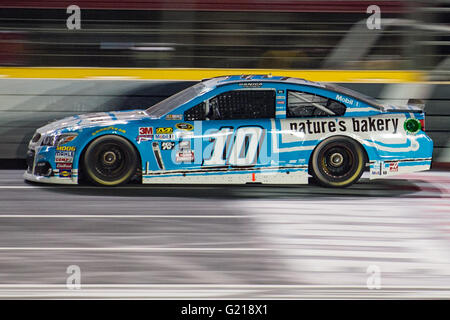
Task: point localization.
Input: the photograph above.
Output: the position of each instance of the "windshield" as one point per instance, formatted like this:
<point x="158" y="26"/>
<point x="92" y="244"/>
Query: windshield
<point x="366" y="99"/>
<point x="172" y="102"/>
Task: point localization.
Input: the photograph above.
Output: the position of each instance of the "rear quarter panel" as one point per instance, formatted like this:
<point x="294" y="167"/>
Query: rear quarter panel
<point x="390" y="148"/>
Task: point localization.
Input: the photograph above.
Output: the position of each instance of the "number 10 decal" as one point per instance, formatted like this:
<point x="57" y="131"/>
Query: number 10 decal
<point x="244" y="147"/>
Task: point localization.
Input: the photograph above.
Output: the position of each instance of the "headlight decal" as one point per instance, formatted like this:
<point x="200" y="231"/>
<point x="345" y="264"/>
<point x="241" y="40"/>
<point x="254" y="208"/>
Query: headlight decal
<point x="65" y="138"/>
<point x="57" y="140"/>
<point x="49" y="140"/>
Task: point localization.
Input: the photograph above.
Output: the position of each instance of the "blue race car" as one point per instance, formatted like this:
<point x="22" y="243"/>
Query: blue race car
<point x="237" y="129"/>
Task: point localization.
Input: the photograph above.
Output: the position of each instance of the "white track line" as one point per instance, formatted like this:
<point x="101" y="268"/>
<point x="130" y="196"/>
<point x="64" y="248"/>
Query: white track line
<point x="121" y="216"/>
<point x="130" y="249"/>
<point x="225" y="286"/>
<point x="76" y="186"/>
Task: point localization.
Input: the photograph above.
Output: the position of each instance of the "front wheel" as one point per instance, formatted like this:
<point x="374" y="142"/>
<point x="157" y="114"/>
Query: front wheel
<point x="338" y="162"/>
<point x="110" y="160"/>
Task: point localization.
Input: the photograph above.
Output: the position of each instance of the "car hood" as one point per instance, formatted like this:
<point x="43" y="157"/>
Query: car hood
<point x="93" y="119"/>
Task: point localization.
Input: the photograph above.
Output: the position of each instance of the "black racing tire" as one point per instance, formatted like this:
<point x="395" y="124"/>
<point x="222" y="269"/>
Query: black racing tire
<point x="338" y="162"/>
<point x="110" y="160"/>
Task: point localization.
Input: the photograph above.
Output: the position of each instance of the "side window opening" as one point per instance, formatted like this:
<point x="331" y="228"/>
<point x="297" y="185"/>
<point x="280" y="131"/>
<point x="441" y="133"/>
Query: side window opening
<point x="303" y="104"/>
<point x="196" y="113"/>
<point x="237" y="104"/>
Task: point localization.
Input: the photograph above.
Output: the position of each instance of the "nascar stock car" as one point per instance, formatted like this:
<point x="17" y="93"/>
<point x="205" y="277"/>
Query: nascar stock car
<point x="237" y="129"/>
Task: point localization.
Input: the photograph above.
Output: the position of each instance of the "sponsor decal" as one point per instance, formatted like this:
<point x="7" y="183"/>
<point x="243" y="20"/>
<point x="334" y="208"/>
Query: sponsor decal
<point x="251" y="84"/>
<point x="145" y="134"/>
<point x="63" y="159"/>
<point x="412" y="126"/>
<point x="164" y="130"/>
<point x="281" y="97"/>
<point x="65" y="173"/>
<point x="174" y="117"/>
<point x="280" y="92"/>
<point x="185" y="134"/>
<point x="356" y="125"/>
<point x="280" y="102"/>
<point x="143" y="131"/>
<point x="184" y="145"/>
<point x="373" y="125"/>
<point x="167" y="145"/>
<point x="185" y="156"/>
<point x="377" y="168"/>
<point x="344" y="99"/>
<point x="64" y="154"/>
<point x="393" y="167"/>
<point x="164" y="137"/>
<point x="64" y="166"/>
<point x="65" y="148"/>
<point x="108" y="129"/>
<point x="184" y="126"/>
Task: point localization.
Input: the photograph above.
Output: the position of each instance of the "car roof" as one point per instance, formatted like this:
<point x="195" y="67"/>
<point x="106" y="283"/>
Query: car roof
<point x="224" y="80"/>
<point x="213" y="83"/>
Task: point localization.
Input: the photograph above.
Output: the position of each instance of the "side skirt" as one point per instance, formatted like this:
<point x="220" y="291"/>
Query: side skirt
<point x="270" y="175"/>
<point x="381" y="169"/>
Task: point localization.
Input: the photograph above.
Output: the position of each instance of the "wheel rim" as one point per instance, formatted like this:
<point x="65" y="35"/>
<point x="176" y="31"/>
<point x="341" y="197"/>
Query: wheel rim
<point x="111" y="162"/>
<point x="338" y="162"/>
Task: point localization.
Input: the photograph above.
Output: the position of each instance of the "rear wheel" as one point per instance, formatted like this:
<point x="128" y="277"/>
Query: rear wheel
<point x="110" y="161"/>
<point x="338" y="162"/>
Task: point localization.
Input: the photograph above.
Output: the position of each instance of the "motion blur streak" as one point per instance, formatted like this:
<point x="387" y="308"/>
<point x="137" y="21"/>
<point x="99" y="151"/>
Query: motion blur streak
<point x="242" y="242"/>
<point x="198" y="74"/>
<point x="220" y="242"/>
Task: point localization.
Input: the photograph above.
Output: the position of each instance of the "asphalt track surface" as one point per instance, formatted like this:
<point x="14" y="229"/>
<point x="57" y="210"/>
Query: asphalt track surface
<point x="211" y="242"/>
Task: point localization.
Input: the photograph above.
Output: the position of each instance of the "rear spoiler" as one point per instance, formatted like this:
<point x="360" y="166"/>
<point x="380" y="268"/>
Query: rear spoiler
<point x="413" y="106"/>
<point x="416" y="104"/>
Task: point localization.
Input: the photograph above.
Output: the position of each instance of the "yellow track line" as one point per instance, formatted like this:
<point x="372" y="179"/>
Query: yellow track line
<point x="198" y="74"/>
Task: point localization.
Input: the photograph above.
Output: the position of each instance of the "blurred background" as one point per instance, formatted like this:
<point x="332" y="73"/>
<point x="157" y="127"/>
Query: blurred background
<point x="286" y="34"/>
<point x="132" y="54"/>
<point x="217" y="241"/>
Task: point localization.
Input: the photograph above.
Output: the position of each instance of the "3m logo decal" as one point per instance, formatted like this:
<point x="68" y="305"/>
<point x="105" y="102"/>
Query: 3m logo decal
<point x="145" y="130"/>
<point x="145" y="134"/>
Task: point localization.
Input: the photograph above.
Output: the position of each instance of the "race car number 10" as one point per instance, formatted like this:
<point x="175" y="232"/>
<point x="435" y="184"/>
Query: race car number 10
<point x="244" y="146"/>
